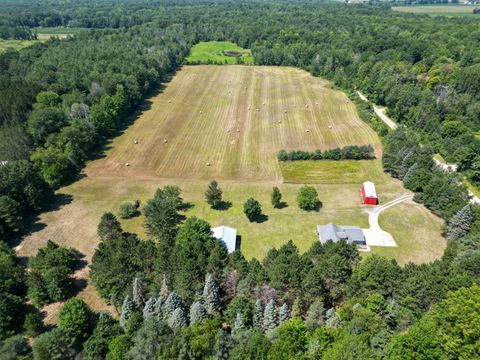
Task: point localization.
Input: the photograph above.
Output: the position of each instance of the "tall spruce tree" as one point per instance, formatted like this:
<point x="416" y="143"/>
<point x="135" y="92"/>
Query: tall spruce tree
<point x="276" y="197"/>
<point x="109" y="227"/>
<point x="213" y="195"/>
<point x="270" y="318"/>
<point x="224" y="345"/>
<point x="460" y="223"/>
<point x="283" y="313"/>
<point x="128" y="308"/>
<point x="198" y="312"/>
<point x="239" y="323"/>
<point x="178" y="319"/>
<point x="172" y="303"/>
<point x="332" y="320"/>
<point x="149" y="310"/>
<point x="138" y="292"/>
<point x="211" y="295"/>
<point x="258" y="315"/>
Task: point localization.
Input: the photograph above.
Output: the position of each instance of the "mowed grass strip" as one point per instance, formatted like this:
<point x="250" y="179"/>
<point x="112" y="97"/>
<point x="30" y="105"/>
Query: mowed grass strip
<point x="215" y="51"/>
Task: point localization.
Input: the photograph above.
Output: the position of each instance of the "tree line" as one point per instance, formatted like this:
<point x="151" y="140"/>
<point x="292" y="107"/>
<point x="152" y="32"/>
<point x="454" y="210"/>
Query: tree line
<point x="349" y="152"/>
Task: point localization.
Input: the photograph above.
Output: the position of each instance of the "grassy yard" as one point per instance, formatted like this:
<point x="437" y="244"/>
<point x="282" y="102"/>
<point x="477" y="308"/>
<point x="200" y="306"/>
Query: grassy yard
<point x="217" y="52"/>
<point x="451" y="10"/>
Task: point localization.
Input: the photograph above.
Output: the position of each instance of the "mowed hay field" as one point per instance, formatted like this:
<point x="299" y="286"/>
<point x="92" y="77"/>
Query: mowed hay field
<point x="193" y="114"/>
<point x="236" y="118"/>
<point x="451" y="10"/>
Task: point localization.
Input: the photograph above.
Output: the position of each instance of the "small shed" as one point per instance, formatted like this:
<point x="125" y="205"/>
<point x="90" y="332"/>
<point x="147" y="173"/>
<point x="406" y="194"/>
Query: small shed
<point x="369" y="194"/>
<point x="227" y="235"/>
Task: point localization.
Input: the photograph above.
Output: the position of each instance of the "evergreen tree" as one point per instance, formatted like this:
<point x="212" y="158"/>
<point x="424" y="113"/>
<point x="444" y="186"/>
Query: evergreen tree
<point x="283" y="313"/>
<point x="460" y="223"/>
<point x="223" y="345"/>
<point x="410" y="172"/>
<point x="172" y="303"/>
<point x="213" y="194"/>
<point x="315" y="314"/>
<point x="239" y="323"/>
<point x="258" y="314"/>
<point x="164" y="291"/>
<point x="211" y="295"/>
<point x="270" y="318"/>
<point x="109" y="227"/>
<point x="149" y="309"/>
<point x="178" y="319"/>
<point x="276" y="197"/>
<point x="138" y="292"/>
<point x="198" y="312"/>
<point x="128" y="308"/>
<point x="332" y="320"/>
<point x="252" y="209"/>
<point x="158" y="309"/>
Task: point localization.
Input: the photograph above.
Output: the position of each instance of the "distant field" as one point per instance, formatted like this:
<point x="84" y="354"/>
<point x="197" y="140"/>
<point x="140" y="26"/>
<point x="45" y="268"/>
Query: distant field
<point x="215" y="51"/>
<point x="43" y="35"/>
<point x="193" y="114"/>
<point x="453" y="10"/>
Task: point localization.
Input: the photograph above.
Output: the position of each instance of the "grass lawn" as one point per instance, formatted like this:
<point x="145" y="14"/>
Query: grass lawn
<point x="473" y="188"/>
<point x="416" y="231"/>
<point x="451" y="10"/>
<point x="199" y="114"/>
<point x="215" y="52"/>
<point x="15" y="44"/>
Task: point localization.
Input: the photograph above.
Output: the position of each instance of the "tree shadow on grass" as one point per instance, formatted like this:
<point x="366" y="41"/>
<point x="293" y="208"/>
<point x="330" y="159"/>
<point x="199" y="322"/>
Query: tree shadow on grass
<point x="223" y="205"/>
<point x="281" y="205"/>
<point x="260" y="218"/>
<point x="185" y="206"/>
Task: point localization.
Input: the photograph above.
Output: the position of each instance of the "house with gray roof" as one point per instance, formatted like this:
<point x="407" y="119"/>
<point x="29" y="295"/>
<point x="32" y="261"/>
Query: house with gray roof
<point x="335" y="233"/>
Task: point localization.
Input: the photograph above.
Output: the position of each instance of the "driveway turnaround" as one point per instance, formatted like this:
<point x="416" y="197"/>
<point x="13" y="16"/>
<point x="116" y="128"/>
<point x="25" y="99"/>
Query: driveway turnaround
<point x="375" y="235"/>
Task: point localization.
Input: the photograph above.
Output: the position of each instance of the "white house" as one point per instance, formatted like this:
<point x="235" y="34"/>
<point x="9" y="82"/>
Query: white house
<point x="227" y="235"/>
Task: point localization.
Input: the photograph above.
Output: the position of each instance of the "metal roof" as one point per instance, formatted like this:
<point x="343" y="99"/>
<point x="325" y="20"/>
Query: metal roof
<point x="352" y="234"/>
<point x="227" y="235"/>
<point x="369" y="189"/>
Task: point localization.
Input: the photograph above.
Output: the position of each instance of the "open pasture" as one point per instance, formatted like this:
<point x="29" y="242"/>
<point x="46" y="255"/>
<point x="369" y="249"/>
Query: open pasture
<point x="224" y="52"/>
<point x="451" y="10"/>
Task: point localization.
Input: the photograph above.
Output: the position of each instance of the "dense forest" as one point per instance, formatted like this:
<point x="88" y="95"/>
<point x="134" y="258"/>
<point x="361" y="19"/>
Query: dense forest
<point x="179" y="294"/>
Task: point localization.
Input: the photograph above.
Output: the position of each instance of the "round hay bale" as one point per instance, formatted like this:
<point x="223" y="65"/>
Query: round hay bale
<point x="307" y="130"/>
<point x="208" y="164"/>
<point x="228" y="130"/>
<point x="329" y="126"/>
<point x="238" y="130"/>
<point x="285" y="111"/>
<point x="165" y="141"/>
<point x="127" y="164"/>
<point x="169" y="101"/>
<point x="136" y="141"/>
<point x="201" y="112"/>
<point x="279" y="121"/>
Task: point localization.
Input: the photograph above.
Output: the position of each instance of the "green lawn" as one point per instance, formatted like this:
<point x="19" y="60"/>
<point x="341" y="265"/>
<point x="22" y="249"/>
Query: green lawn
<point x="474" y="189"/>
<point x="450" y="10"/>
<point x="15" y="44"/>
<point x="330" y="171"/>
<point x="214" y="52"/>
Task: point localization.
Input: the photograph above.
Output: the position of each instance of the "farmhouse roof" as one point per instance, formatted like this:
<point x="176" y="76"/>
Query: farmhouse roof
<point x="369" y="188"/>
<point x="227" y="235"/>
<point x="352" y="234"/>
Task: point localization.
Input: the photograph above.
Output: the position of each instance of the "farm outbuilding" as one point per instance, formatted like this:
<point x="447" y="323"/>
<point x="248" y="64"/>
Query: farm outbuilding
<point x="227" y="235"/>
<point x="369" y="194"/>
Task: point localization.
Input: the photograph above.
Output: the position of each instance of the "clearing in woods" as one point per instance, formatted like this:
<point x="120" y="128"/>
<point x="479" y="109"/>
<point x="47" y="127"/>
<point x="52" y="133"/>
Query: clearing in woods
<point x="218" y="52"/>
<point x="236" y="118"/>
<point x="450" y="10"/>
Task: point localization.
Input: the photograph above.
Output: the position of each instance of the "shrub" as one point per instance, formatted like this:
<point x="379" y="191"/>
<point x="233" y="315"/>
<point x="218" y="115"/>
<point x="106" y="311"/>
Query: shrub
<point x="276" y="197"/>
<point x="129" y="209"/>
<point x="252" y="209"/>
<point x="307" y="198"/>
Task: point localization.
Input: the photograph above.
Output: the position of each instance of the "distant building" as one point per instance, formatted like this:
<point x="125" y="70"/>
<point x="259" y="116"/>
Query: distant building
<point x="335" y="233"/>
<point x="369" y="194"/>
<point x="227" y="235"/>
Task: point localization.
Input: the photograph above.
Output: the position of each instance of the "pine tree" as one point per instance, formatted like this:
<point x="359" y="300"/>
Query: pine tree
<point x="270" y="319"/>
<point x="138" y="292"/>
<point x="315" y="314"/>
<point x="213" y="195"/>
<point x="283" y="314"/>
<point x="172" y="303"/>
<point x="276" y="197"/>
<point x="211" y="295"/>
<point x="460" y="223"/>
<point x="258" y="315"/>
<point x="164" y="289"/>
<point x="149" y="309"/>
<point x="159" y="307"/>
<point x="178" y="319"/>
<point x="332" y="319"/>
<point x="109" y="227"/>
<point x="198" y="312"/>
<point x="223" y="345"/>
<point x="128" y="308"/>
<point x="410" y="172"/>
<point x="239" y="323"/>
